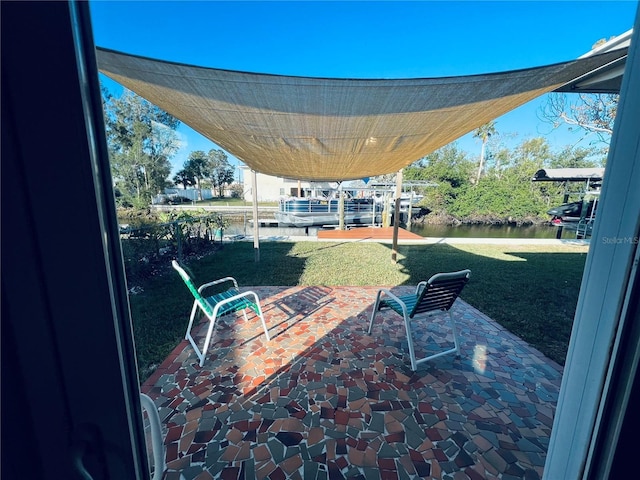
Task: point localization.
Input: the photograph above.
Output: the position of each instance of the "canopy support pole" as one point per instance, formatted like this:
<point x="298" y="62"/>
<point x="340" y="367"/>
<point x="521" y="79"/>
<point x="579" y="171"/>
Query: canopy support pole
<point x="340" y="208"/>
<point x="565" y="199"/>
<point x="256" y="237"/>
<point x="386" y="215"/>
<point x="396" y="217"/>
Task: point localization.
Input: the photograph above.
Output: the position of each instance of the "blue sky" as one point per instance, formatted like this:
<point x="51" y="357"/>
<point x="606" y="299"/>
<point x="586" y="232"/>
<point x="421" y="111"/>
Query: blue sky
<point x="365" y="39"/>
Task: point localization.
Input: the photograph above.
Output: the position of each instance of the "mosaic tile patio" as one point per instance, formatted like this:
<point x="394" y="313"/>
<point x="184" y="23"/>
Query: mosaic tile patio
<point x="324" y="400"/>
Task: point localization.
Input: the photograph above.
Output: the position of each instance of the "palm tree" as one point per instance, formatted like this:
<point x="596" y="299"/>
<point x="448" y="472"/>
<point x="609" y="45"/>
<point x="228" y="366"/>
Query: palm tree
<point x="483" y="133"/>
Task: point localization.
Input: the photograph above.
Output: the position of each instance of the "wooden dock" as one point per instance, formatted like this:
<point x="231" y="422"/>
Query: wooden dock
<point x="367" y="233"/>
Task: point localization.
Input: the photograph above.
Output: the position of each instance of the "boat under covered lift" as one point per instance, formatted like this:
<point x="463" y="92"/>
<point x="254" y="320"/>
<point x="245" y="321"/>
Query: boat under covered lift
<point x="578" y="215"/>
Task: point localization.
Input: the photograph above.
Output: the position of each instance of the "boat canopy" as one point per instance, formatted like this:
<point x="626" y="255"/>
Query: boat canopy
<point x="568" y="174"/>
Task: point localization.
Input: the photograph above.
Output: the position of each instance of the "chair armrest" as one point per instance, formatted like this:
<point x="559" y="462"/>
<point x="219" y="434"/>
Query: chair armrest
<point x="420" y="287"/>
<point x="233" y="299"/>
<point x="396" y="298"/>
<point x="218" y="282"/>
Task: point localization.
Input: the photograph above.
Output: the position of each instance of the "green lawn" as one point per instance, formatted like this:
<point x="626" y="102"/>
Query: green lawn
<point x="530" y="290"/>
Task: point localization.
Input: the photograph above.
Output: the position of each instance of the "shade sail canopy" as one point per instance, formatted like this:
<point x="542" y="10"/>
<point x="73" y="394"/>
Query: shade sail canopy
<point x="323" y="129"/>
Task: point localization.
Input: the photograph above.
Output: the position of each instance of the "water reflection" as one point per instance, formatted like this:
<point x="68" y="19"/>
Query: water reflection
<point x="488" y="231"/>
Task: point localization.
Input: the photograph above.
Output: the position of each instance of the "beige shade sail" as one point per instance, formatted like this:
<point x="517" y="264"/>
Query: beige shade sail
<point x="324" y="129"/>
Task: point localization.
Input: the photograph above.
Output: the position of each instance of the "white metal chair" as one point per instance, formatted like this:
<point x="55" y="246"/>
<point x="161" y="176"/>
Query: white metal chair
<point x="230" y="300"/>
<point x="157" y="442"/>
<point x="436" y="295"/>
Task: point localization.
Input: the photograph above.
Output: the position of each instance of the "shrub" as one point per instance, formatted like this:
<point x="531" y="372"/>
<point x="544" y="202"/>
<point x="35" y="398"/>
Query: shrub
<point x="237" y="191"/>
<point x="149" y="237"/>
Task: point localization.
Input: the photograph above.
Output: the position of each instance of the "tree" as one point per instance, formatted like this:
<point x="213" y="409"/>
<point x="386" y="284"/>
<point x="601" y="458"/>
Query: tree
<point x="195" y="170"/>
<point x="387" y="178"/>
<point x="141" y="139"/>
<point x="511" y="195"/>
<point x="593" y="113"/>
<point x="576" y="158"/>
<point x="184" y="178"/>
<point x="220" y="171"/>
<point x="484" y="133"/>
<point x="450" y="169"/>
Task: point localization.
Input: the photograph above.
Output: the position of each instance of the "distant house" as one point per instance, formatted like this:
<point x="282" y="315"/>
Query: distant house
<point x="271" y="189"/>
<point x="174" y="194"/>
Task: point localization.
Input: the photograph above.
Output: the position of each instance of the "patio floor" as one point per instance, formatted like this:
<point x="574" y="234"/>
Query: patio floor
<point x="324" y="400"/>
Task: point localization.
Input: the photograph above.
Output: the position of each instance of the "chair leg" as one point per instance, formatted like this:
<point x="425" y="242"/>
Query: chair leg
<point x="258" y="312"/>
<point x="375" y="310"/>
<point x="455" y="333"/>
<point x="264" y="323"/>
<point x="207" y="341"/>
<point x="191" y="319"/>
<point x="412" y="353"/>
<point x="188" y="335"/>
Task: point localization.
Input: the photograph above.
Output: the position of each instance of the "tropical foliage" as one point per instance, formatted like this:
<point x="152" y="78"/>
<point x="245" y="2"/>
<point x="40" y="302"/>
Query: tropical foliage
<point x="484" y="133"/>
<point x="451" y="169"/>
<point x="202" y="169"/>
<point x="504" y="192"/>
<point x="150" y="237"/>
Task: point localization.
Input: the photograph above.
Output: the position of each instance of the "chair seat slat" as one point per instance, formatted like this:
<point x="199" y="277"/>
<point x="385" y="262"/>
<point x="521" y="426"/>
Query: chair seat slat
<point x="239" y="304"/>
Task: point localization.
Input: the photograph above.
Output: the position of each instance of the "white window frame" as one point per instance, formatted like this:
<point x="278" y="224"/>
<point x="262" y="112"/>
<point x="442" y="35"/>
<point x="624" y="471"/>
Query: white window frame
<point x="602" y="313"/>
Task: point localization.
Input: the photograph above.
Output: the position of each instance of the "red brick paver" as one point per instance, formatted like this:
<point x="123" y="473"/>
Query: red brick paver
<point x="323" y="399"/>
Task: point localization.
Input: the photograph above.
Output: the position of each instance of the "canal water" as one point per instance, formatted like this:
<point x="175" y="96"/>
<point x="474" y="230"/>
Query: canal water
<point x="489" y="231"/>
<point x="462" y="231"/>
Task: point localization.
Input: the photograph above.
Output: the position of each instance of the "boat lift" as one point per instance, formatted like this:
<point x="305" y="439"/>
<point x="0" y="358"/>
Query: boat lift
<point x="385" y="191"/>
<point x="592" y="179"/>
<point x="408" y="197"/>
